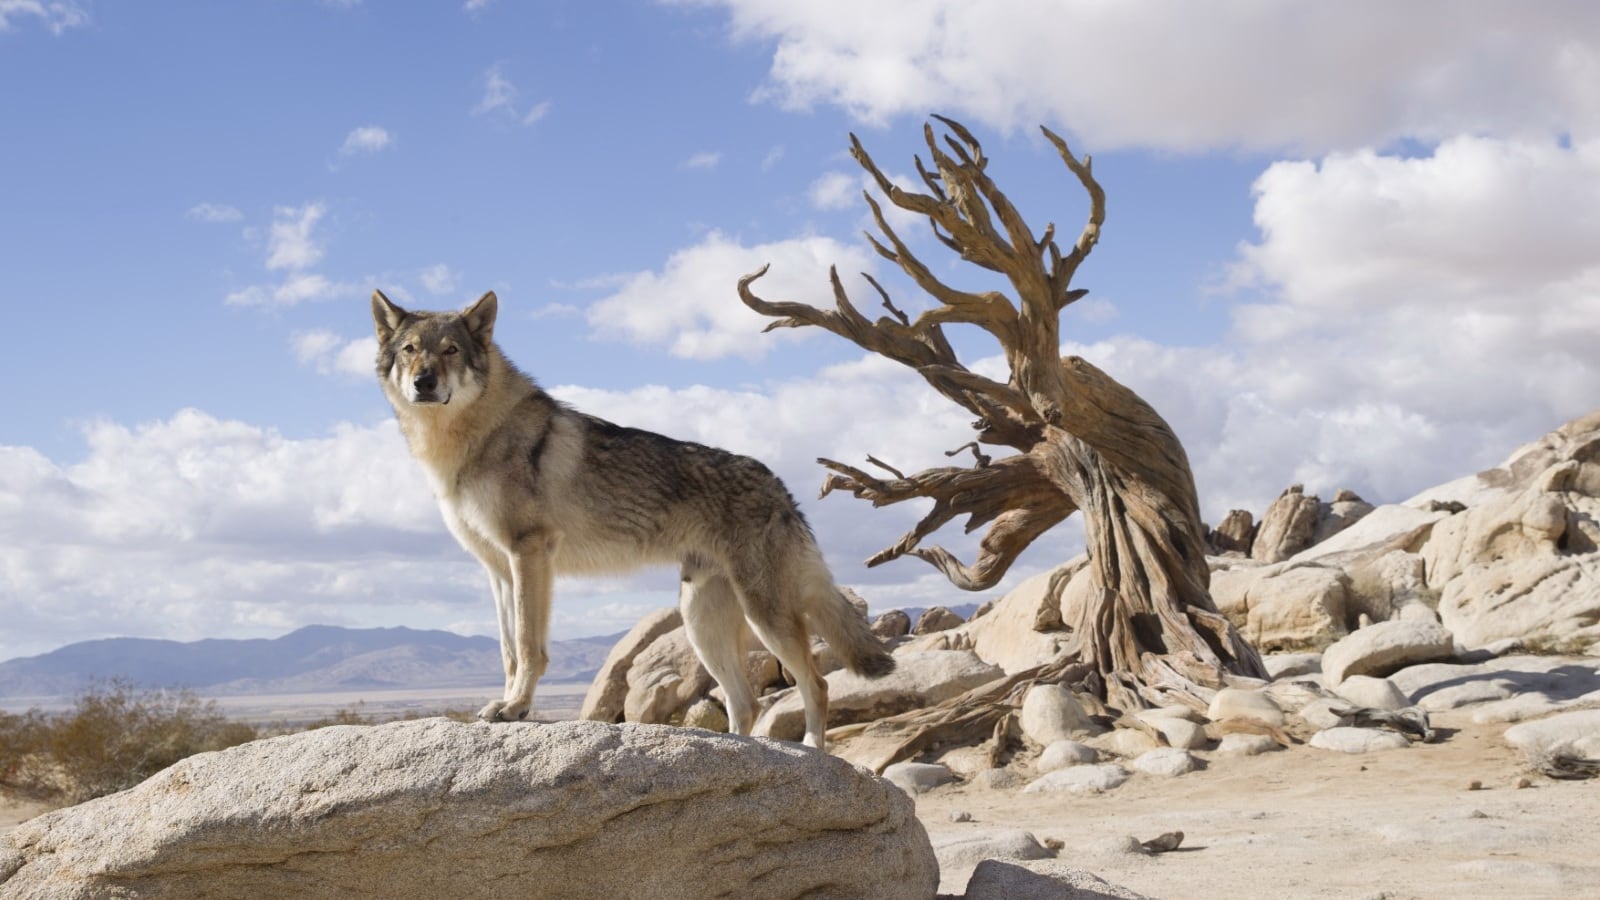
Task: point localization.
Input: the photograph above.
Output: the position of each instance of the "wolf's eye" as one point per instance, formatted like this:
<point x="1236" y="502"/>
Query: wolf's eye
<point x="451" y="350"/>
<point x="409" y="348"/>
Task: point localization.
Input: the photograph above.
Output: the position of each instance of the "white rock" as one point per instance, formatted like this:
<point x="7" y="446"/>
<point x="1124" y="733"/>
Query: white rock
<point x="1288" y="606"/>
<point x="1292" y="665"/>
<point x="1385" y="647"/>
<point x="919" y="679"/>
<point x="1181" y="733"/>
<point x="1247" y="744"/>
<point x="603" y="702"/>
<point x="1320" y="713"/>
<point x="1234" y="703"/>
<point x="1064" y="753"/>
<point x="1050" y="713"/>
<point x="1372" y="693"/>
<point x="917" y="778"/>
<point x="1128" y="742"/>
<point x="433" y="808"/>
<point x="1079" y="780"/>
<point x="968" y="847"/>
<point x="1046" y="879"/>
<point x="1166" y="761"/>
<point x="1575" y="733"/>
<point x="1358" y="740"/>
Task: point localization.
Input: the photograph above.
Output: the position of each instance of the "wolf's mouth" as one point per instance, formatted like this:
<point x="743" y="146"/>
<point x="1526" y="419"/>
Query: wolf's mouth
<point x="430" y="398"/>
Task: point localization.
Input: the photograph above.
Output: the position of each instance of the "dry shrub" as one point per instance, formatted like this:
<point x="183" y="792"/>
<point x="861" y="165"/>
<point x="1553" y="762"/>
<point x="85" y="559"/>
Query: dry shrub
<point x="113" y="737"/>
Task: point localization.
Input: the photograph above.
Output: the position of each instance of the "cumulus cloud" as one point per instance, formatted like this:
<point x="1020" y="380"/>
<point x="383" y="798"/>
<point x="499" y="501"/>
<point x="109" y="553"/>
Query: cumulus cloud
<point x="55" y="15"/>
<point x="293" y="248"/>
<point x="289" y="241"/>
<point x="835" y="190"/>
<point x="330" y="354"/>
<point x="367" y="139"/>
<point x="197" y="526"/>
<point x="214" y="212"/>
<point x="692" y="305"/>
<point x="1191" y="76"/>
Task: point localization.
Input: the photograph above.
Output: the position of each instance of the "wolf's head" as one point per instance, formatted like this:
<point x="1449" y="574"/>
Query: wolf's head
<point x="429" y="358"/>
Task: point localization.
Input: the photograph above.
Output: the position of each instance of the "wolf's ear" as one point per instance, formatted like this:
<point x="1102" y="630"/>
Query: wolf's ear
<point x="480" y="317"/>
<point x="385" y="315"/>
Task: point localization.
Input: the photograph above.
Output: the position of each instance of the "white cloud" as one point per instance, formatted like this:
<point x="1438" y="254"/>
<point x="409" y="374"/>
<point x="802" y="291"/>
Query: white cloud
<point x="55" y="15"/>
<point x="692" y="305"/>
<point x="297" y="288"/>
<point x="438" y="279"/>
<point x="703" y="160"/>
<point x="536" y="112"/>
<point x="289" y="241"/>
<point x="367" y="139"/>
<point x="1191" y="76"/>
<point x="330" y="354"/>
<point x="473" y="6"/>
<point x="835" y="190"/>
<point x="214" y="212"/>
<point x="500" y="98"/>
<point x="773" y="157"/>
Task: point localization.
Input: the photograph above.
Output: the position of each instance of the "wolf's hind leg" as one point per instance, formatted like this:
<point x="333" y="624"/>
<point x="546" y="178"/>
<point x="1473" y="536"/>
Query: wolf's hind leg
<point x="716" y="629"/>
<point x="788" y="639"/>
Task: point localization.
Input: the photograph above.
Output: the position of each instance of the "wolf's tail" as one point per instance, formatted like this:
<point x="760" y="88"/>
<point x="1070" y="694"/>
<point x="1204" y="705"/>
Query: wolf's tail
<point x="846" y="631"/>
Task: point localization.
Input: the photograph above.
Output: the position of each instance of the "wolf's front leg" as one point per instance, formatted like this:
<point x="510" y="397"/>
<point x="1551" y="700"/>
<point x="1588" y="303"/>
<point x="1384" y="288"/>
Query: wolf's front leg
<point x="505" y="608"/>
<point x="532" y="579"/>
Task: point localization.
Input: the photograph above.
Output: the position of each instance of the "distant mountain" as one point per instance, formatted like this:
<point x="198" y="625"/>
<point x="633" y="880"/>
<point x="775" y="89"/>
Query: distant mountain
<point x="314" y="659"/>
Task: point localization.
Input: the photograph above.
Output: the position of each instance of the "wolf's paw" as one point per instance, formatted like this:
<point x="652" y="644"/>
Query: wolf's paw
<point x="504" y="711"/>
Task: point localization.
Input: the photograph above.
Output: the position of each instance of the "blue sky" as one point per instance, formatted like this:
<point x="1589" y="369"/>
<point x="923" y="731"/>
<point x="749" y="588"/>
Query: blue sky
<point x="1347" y="245"/>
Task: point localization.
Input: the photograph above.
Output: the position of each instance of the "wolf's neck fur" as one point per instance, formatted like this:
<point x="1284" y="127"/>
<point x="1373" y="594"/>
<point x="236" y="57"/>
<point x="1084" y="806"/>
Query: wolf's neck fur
<point x="445" y="437"/>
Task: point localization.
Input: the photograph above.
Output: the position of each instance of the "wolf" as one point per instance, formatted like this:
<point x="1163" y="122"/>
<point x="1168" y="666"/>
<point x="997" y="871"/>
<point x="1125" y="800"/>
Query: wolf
<point x="534" y="488"/>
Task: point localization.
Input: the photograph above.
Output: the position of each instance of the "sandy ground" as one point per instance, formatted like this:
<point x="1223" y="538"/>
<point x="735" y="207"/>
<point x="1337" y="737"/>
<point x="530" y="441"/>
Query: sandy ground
<point x="1304" y="822"/>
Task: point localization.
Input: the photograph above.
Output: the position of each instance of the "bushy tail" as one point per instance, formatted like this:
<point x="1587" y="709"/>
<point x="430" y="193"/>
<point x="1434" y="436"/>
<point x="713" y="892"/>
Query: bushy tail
<point x="846" y="631"/>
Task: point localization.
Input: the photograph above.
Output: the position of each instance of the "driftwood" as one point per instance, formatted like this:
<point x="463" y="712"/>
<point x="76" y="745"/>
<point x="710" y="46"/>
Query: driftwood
<point x="1085" y="443"/>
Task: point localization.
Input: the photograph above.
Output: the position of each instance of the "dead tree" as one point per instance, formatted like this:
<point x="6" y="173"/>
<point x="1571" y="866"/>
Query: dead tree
<point x="1146" y="625"/>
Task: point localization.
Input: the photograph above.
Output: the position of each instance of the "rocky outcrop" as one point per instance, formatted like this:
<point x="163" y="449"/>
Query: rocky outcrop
<point x="919" y="679"/>
<point x="1384" y="648"/>
<point x="433" y="808"/>
<point x="609" y="690"/>
<point x="1288" y="606"/>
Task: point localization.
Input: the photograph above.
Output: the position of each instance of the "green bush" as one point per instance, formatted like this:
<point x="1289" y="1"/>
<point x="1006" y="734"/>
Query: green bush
<point x="113" y="737"/>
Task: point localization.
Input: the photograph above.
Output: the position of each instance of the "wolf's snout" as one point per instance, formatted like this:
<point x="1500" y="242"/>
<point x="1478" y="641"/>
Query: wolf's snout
<point x="426" y="382"/>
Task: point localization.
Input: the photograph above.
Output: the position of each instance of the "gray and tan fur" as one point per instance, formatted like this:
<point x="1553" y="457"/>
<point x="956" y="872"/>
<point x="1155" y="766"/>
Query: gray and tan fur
<point x="534" y="489"/>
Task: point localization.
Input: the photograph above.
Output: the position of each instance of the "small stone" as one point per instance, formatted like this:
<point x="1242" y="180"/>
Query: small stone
<point x="1474" y="785"/>
<point x="960" y="815"/>
<point x="1236" y="703"/>
<point x="1168" y="762"/>
<point x="1247" y="745"/>
<point x="1521" y="783"/>
<point x="997" y="779"/>
<point x="1079" y="780"/>
<point x="1050" y="713"/>
<point x="917" y="778"/>
<point x="1358" y="740"/>
<point x="1055" y="844"/>
<point x="1064" y="753"/>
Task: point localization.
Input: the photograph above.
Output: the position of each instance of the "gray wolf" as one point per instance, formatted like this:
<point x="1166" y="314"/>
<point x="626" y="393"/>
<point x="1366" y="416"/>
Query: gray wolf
<point x="533" y="488"/>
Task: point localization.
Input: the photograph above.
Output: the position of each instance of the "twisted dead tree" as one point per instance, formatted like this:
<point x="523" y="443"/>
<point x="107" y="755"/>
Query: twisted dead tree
<point x="1146" y="630"/>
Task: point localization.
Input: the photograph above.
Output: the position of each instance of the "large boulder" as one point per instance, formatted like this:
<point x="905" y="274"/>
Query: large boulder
<point x="1288" y="606"/>
<point x="1023" y="628"/>
<point x="666" y="678"/>
<point x="1521" y="559"/>
<point x="1386" y="647"/>
<point x="919" y="679"/>
<point x="609" y="690"/>
<point x="433" y="808"/>
<point x="1286" y="527"/>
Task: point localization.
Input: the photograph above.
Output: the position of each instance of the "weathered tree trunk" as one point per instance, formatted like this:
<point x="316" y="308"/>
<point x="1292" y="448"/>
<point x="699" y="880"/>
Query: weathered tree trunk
<point x="1149" y="629"/>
